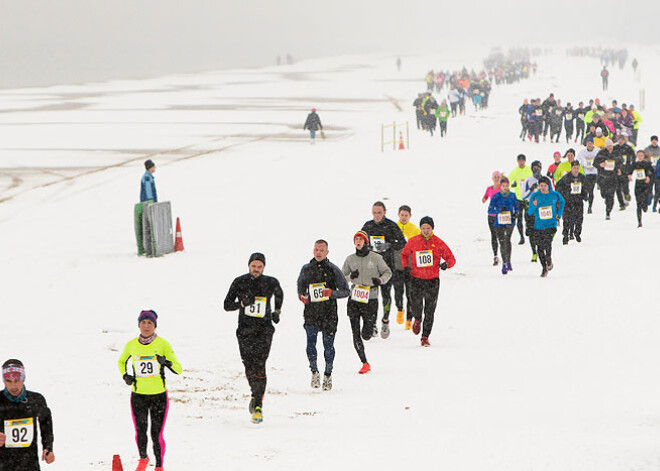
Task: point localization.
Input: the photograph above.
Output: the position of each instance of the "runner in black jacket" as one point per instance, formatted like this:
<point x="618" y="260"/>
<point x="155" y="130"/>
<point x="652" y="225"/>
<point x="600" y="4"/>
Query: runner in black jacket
<point x="313" y="124"/>
<point x="320" y="284"/>
<point x="573" y="187"/>
<point x="251" y="295"/>
<point x="608" y="164"/>
<point x="641" y="173"/>
<point x="385" y="237"/>
<point x="20" y="411"/>
<point x="628" y="159"/>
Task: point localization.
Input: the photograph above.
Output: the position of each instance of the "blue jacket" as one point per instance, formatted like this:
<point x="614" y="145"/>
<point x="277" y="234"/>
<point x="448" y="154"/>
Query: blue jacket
<point x="546" y="211"/>
<point x="500" y="202"/>
<point x="657" y="168"/>
<point x="148" y="188"/>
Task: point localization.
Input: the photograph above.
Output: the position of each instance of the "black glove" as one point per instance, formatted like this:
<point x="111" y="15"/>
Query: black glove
<point x="164" y="361"/>
<point x="443" y="266"/>
<point x="247" y="299"/>
<point x="129" y="380"/>
<point x="376" y="281"/>
<point x="407" y="270"/>
<point x="514" y="184"/>
<point x="275" y="316"/>
<point x="503" y="209"/>
<point x="354" y="274"/>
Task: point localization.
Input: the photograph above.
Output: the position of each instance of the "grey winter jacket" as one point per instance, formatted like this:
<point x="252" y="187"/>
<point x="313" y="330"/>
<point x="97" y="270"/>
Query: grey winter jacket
<point x="370" y="266"/>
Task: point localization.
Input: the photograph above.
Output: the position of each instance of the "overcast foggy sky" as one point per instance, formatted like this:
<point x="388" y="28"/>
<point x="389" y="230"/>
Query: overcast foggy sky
<point x="71" y="41"/>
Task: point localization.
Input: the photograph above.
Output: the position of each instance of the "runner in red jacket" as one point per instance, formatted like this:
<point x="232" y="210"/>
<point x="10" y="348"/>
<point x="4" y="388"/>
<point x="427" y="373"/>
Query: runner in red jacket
<point x="422" y="259"/>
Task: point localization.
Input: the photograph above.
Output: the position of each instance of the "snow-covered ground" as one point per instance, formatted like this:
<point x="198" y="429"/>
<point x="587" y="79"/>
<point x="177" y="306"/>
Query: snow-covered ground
<point x="523" y="373"/>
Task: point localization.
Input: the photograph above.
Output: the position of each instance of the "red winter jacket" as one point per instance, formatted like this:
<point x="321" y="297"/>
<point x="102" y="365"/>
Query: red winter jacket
<point x="439" y="250"/>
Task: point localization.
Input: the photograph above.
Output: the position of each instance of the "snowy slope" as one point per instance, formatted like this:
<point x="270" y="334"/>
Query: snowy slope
<point x="523" y="374"/>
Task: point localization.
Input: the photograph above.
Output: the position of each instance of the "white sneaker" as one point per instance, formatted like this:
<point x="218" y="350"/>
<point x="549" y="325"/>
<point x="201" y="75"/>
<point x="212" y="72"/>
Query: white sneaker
<point x="327" y="382"/>
<point x="385" y="330"/>
<point x="316" y="380"/>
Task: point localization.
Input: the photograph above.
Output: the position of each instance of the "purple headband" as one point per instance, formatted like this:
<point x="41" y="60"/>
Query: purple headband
<point x="151" y="315"/>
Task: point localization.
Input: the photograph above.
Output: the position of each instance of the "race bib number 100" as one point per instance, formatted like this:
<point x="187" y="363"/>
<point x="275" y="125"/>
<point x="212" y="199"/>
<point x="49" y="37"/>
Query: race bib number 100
<point x="146" y="366"/>
<point x="316" y="292"/>
<point x="360" y="293"/>
<point x="376" y="242"/>
<point x="424" y="258"/>
<point x="545" y="212"/>
<point x="20" y="433"/>
<point x="258" y="308"/>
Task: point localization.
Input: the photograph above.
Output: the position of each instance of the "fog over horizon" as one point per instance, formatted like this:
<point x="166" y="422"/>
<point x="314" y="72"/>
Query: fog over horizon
<point x="73" y="41"/>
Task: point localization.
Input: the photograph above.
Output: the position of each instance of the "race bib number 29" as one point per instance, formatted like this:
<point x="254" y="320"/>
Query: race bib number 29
<point x="20" y="433"/>
<point x="146" y="366"/>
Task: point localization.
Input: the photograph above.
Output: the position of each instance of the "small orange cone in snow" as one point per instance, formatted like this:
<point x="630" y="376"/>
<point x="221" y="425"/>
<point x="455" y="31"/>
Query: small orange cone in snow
<point x="116" y="463"/>
<point x="402" y="146"/>
<point x="178" y="239"/>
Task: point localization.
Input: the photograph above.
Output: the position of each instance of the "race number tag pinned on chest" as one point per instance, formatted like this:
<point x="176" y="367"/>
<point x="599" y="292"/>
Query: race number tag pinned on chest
<point x="590" y="162"/>
<point x="424" y="258"/>
<point x="580" y="115"/>
<point x="569" y="116"/>
<point x="360" y="293"/>
<point x="639" y="173"/>
<point x="258" y="308"/>
<point x="609" y="165"/>
<point x="654" y="161"/>
<point x="316" y="292"/>
<point x="20" y="433"/>
<point x="504" y="218"/>
<point x="538" y="112"/>
<point x="576" y="188"/>
<point x="377" y="242"/>
<point x="545" y="212"/>
<point x="146" y="366"/>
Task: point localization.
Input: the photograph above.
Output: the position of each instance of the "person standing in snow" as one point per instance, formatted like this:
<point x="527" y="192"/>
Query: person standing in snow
<point x="20" y="412"/>
<point x="573" y="187"/>
<point x="642" y="172"/>
<point x="604" y="74"/>
<point x="251" y="295"/>
<point x="504" y="205"/>
<point x="517" y="178"/>
<point x="365" y="271"/>
<point x="399" y="279"/>
<point x="586" y="158"/>
<point x="422" y="258"/>
<point x="320" y="284"/>
<point x="313" y="124"/>
<point x="488" y="194"/>
<point x="148" y="184"/>
<point x="150" y="356"/>
<point x="385" y="237"/>
<point x="442" y="113"/>
<point x="608" y="165"/>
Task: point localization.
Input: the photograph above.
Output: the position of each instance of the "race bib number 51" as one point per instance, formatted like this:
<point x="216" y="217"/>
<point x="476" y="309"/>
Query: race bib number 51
<point x="20" y="433"/>
<point x="545" y="212"/>
<point x="258" y="308"/>
<point x="360" y="293"/>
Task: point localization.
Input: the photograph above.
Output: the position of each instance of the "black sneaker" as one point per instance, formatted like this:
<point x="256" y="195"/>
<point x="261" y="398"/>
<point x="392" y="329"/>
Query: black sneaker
<point x="578" y="238"/>
<point x="544" y="273"/>
<point x="607" y="217"/>
<point x="589" y="211"/>
<point x="565" y="241"/>
<point x="522" y="241"/>
<point x="549" y="264"/>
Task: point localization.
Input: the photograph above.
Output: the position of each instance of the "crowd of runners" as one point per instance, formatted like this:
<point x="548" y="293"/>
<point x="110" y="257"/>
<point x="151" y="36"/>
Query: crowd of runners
<point x="535" y="201"/>
<point x="594" y="120"/>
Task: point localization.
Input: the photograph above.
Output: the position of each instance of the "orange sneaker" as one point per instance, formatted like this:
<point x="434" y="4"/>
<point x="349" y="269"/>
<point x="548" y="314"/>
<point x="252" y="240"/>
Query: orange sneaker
<point x="409" y="324"/>
<point x="365" y="368"/>
<point x="142" y="464"/>
<point x="399" y="317"/>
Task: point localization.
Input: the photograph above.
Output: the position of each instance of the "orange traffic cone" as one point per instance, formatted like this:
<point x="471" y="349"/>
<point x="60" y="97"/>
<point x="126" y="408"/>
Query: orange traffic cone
<point x="116" y="463"/>
<point x="178" y="239"/>
<point x="401" y="144"/>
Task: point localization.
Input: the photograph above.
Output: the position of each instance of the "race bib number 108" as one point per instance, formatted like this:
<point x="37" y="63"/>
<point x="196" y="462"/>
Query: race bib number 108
<point x="424" y="258"/>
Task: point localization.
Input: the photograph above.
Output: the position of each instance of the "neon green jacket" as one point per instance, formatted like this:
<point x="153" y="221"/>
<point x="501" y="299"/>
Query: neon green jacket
<point x="564" y="168"/>
<point x="638" y="119"/>
<point x="589" y="117"/>
<point x="519" y="175"/>
<point x="442" y="113"/>
<point x="149" y="374"/>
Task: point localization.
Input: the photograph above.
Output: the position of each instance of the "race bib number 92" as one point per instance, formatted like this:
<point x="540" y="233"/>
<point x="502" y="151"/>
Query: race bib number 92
<point x="20" y="433"/>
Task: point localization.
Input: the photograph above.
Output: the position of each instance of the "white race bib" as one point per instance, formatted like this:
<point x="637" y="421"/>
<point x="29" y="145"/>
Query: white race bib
<point x="538" y="112"/>
<point x="376" y="242"/>
<point x="654" y="161"/>
<point x="316" y="292"/>
<point x="424" y="258"/>
<point x="258" y="308"/>
<point x="20" y="433"/>
<point x="146" y="366"/>
<point x="576" y="188"/>
<point x="558" y="112"/>
<point x="545" y="212"/>
<point x="580" y="115"/>
<point x="569" y="116"/>
<point x="360" y="293"/>
<point x="609" y="165"/>
<point x="639" y="174"/>
<point x="590" y="162"/>
<point x="504" y="218"/>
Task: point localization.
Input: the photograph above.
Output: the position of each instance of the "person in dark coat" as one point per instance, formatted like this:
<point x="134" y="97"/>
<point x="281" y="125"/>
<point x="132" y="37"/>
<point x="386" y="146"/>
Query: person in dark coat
<point x="313" y="124"/>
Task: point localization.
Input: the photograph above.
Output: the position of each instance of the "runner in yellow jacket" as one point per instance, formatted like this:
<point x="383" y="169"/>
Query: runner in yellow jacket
<point x="150" y="356"/>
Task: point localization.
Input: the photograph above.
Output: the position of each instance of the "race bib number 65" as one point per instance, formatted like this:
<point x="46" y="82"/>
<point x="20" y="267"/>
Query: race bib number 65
<point x="316" y="292"/>
<point x="545" y="212"/>
<point x="20" y="433"/>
